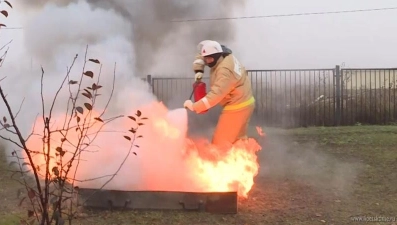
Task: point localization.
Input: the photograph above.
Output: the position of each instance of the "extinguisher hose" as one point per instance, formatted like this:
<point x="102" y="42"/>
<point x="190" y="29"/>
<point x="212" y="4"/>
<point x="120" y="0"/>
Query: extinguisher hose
<point x="194" y="88"/>
<point x="191" y="95"/>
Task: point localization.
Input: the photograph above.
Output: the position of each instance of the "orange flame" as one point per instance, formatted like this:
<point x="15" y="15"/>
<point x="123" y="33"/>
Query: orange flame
<point x="61" y="143"/>
<point x="260" y="131"/>
<point x="230" y="171"/>
<point x="203" y="167"/>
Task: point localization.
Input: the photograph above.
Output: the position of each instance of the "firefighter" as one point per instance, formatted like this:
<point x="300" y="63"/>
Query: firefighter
<point x="230" y="87"/>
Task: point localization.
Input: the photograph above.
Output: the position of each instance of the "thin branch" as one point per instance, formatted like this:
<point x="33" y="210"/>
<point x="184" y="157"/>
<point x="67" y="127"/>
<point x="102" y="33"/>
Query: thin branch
<point x="90" y="179"/>
<point x="2" y="79"/>
<point x="3" y="57"/>
<point x="105" y="131"/>
<point x="95" y="135"/>
<point x="5" y="45"/>
<point x="43" y="106"/>
<point x="96" y="91"/>
<point x="79" y="155"/>
<point x="44" y="199"/>
<point x="70" y="97"/>
<point x="34" y="126"/>
<point x="8" y="139"/>
<point x="100" y="128"/>
<point x="111" y="93"/>
<point x="74" y="99"/>
<point x="20" y="107"/>
<point x="104" y="123"/>
<point x="60" y="88"/>
<point x="7" y="128"/>
<point x="41" y="93"/>
<point x="93" y="139"/>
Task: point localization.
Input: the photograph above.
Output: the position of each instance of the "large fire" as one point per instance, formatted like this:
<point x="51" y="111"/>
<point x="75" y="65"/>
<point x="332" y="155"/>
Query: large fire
<point x="165" y="160"/>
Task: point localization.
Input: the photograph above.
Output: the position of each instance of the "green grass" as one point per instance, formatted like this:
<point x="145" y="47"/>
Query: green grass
<point x="9" y="212"/>
<point x="9" y="219"/>
<point x="308" y="176"/>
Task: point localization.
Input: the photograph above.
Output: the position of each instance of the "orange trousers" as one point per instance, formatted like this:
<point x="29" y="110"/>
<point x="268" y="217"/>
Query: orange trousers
<point x="232" y="126"/>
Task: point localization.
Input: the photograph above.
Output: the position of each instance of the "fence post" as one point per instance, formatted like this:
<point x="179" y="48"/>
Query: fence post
<point x="337" y="96"/>
<point x="149" y="81"/>
<point x="254" y="93"/>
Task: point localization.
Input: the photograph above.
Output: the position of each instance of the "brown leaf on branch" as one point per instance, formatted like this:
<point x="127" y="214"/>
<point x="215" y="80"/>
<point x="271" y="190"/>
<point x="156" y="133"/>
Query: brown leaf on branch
<point x="88" y="106"/>
<point x="99" y="119"/>
<point x="8" y="3"/>
<point x="94" y="60"/>
<point x="128" y="138"/>
<point x="138" y="113"/>
<point x="5" y="13"/>
<point x="89" y="74"/>
<point x="79" y="109"/>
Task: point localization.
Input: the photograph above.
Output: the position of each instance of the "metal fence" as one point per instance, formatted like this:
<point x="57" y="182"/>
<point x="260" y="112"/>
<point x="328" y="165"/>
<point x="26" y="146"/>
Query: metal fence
<point x="307" y="97"/>
<point x="294" y="98"/>
<point x="368" y="96"/>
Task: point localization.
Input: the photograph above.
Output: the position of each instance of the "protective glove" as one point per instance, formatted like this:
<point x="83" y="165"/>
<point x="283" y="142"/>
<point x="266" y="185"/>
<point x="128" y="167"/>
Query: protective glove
<point x="198" y="76"/>
<point x="188" y="104"/>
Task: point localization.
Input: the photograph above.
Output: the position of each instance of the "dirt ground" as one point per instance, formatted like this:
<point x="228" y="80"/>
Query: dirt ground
<point x="307" y="176"/>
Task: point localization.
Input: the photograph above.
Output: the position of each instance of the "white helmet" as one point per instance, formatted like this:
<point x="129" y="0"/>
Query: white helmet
<point x="209" y="47"/>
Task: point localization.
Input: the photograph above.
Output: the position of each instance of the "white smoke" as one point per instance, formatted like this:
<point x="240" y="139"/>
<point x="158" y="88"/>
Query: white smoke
<point x="145" y="24"/>
<point x="54" y="32"/>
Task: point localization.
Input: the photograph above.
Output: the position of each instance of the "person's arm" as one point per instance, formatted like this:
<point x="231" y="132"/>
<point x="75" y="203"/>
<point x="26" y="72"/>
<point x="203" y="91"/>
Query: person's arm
<point x="198" y="67"/>
<point x="224" y="83"/>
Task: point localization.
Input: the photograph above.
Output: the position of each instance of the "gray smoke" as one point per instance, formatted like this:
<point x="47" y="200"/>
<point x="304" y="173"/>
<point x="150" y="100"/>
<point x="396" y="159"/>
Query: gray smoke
<point x="157" y="42"/>
<point x="137" y="35"/>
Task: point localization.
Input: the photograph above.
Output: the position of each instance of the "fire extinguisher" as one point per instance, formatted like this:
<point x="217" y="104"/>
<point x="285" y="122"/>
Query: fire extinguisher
<point x="199" y="91"/>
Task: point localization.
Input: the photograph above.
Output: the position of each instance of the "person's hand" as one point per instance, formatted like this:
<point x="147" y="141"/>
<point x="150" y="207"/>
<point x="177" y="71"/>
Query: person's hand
<point x="198" y="76"/>
<point x="188" y="105"/>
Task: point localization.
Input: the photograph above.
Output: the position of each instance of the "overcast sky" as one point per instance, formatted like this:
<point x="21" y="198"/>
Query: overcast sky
<point x="364" y="39"/>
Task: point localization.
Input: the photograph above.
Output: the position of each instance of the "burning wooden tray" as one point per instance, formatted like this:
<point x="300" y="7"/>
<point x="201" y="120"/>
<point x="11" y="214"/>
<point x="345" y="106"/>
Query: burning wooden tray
<point x="212" y="202"/>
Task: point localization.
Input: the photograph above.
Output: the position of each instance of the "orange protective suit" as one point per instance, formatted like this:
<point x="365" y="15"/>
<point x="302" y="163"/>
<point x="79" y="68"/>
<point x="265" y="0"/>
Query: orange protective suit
<point x="230" y="87"/>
